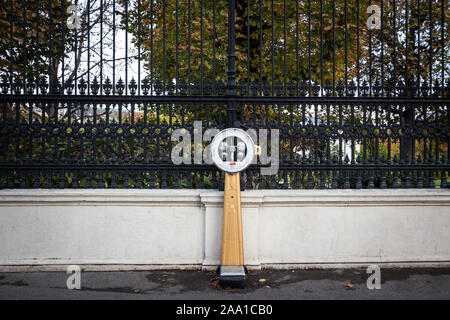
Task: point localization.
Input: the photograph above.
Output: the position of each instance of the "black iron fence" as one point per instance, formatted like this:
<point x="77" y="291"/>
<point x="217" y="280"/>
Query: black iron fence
<point x="356" y="92"/>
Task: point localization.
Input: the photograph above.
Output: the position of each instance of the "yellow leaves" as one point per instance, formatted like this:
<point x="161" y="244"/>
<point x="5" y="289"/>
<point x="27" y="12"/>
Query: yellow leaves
<point x="349" y="285"/>
<point x="214" y="282"/>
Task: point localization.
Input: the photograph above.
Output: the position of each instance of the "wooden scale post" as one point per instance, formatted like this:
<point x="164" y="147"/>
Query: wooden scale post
<point x="232" y="270"/>
<point x="232" y="244"/>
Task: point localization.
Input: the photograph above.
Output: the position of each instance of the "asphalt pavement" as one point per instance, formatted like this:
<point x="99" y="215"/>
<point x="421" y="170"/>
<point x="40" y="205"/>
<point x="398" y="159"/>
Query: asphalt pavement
<point x="432" y="283"/>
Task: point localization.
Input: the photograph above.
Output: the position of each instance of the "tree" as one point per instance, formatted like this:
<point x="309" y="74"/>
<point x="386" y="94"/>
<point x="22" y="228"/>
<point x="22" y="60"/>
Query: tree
<point x="410" y="51"/>
<point x="35" y="41"/>
<point x="276" y="42"/>
<point x="411" y="44"/>
<point x="157" y="26"/>
<point x="34" y="38"/>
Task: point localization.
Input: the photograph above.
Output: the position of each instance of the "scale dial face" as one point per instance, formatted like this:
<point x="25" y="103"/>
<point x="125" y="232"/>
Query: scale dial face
<point x="232" y="150"/>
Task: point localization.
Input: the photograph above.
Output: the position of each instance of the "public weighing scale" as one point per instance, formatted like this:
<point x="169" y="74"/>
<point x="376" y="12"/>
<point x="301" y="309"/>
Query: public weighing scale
<point x="232" y="150"/>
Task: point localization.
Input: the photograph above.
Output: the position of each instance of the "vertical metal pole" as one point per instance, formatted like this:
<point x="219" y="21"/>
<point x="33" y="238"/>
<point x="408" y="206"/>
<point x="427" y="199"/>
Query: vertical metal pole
<point x="231" y="81"/>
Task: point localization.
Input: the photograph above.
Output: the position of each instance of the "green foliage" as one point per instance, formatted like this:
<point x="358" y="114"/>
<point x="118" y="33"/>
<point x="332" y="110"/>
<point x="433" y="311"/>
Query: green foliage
<point x="407" y="45"/>
<point x="38" y="42"/>
<point x="197" y="46"/>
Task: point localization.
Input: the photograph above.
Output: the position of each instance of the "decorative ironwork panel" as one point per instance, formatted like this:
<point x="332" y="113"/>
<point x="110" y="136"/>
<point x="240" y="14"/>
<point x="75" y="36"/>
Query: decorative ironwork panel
<point x="356" y="94"/>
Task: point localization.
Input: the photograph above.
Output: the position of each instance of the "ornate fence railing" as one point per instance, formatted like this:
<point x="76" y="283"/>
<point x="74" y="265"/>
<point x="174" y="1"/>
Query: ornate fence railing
<point x="91" y="99"/>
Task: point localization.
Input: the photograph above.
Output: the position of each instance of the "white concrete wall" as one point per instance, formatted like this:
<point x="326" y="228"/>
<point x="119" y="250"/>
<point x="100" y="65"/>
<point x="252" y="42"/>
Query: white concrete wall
<point x="183" y="227"/>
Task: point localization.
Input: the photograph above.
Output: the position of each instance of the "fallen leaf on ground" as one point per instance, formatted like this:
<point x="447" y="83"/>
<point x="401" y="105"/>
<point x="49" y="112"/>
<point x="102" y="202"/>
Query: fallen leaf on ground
<point x="268" y="287"/>
<point x="350" y="285"/>
<point x="214" y="282"/>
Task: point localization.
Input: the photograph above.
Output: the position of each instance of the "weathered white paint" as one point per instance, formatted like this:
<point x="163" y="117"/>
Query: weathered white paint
<point x="182" y="228"/>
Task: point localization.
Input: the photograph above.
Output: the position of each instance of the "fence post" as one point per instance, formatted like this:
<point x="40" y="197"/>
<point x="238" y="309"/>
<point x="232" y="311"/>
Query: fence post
<point x="231" y="78"/>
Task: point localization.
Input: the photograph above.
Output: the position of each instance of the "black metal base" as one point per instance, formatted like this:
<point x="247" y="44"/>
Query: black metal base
<point x="232" y="276"/>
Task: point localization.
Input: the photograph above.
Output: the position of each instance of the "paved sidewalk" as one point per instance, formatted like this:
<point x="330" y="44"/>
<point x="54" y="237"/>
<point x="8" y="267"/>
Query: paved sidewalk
<point x="267" y="284"/>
